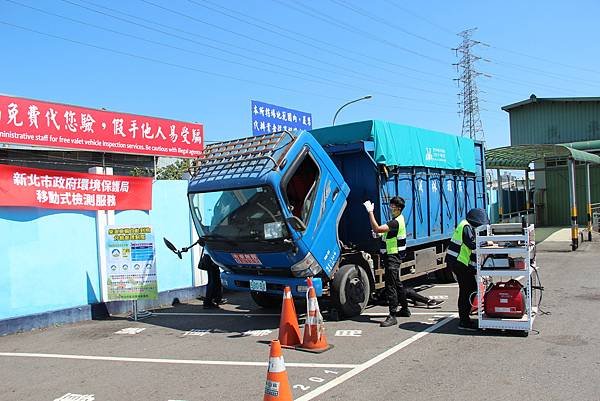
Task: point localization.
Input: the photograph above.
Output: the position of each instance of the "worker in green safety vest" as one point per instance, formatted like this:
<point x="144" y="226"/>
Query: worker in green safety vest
<point x="394" y="236"/>
<point x="460" y="257"/>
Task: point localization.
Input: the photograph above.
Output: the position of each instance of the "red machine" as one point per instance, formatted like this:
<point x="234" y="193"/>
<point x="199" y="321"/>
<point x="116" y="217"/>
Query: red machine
<point x="505" y="300"/>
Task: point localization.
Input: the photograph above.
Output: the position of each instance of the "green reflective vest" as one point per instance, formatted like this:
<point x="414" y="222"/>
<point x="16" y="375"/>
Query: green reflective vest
<point x="458" y="249"/>
<point x="396" y="244"/>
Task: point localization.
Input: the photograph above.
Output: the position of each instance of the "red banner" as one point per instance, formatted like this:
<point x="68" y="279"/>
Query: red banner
<point x="38" y="123"/>
<point x="52" y="189"/>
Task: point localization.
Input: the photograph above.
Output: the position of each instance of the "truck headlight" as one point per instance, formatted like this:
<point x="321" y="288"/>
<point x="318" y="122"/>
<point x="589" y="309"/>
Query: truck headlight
<point x="306" y="267"/>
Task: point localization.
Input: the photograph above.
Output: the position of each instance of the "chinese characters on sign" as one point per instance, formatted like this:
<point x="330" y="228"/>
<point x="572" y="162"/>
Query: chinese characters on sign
<point x="267" y="118"/>
<point x="51" y="189"/>
<point x="38" y="123"/>
<point x="130" y="263"/>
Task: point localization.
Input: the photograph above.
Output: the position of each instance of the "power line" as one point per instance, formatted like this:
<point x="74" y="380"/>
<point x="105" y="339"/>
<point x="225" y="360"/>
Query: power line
<point x="546" y="60"/>
<point x="365" y="13"/>
<point x="185" y="67"/>
<point x="295" y="37"/>
<point x="420" y="17"/>
<point x="280" y="71"/>
<point x="306" y="9"/>
<point x="344" y="51"/>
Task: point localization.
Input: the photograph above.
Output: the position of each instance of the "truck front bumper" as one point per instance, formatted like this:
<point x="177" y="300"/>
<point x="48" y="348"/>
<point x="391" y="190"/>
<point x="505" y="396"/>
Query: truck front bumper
<point x="274" y="285"/>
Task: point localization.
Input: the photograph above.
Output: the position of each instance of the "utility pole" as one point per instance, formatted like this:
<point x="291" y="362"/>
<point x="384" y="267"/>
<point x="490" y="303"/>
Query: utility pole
<point x="469" y="95"/>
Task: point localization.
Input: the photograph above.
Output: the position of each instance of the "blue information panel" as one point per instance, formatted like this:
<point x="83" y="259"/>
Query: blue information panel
<point x="267" y="118"/>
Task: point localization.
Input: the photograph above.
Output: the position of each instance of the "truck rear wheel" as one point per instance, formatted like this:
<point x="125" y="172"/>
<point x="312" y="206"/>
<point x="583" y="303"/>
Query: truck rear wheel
<point x="267" y="301"/>
<point x="351" y="290"/>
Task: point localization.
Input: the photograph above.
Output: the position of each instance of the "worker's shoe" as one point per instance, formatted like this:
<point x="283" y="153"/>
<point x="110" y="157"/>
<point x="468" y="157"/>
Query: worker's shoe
<point x="404" y="312"/>
<point x="389" y="321"/>
<point x="434" y="303"/>
<point x="210" y="305"/>
<point x="468" y="325"/>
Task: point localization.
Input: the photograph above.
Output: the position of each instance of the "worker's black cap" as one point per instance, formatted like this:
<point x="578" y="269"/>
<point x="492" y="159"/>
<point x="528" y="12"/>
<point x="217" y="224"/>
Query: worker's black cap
<point x="477" y="217"/>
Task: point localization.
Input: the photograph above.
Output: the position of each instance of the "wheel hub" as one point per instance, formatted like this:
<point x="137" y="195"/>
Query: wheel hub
<point x="355" y="290"/>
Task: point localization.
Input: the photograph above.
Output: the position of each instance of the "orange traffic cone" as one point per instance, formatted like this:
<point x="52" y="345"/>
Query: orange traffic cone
<point x="277" y="387"/>
<point x="314" y="327"/>
<point x="289" y="331"/>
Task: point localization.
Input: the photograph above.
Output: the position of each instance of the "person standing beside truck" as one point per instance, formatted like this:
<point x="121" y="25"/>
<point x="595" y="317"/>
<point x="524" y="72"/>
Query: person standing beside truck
<point x="394" y="238"/>
<point x="460" y="257"/>
<point x="214" y="289"/>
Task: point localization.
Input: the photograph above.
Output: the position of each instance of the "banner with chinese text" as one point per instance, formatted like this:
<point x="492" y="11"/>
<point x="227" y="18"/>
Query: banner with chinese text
<point x="130" y="263"/>
<point x="39" y="123"/>
<point x="53" y="189"/>
<point x="267" y="118"/>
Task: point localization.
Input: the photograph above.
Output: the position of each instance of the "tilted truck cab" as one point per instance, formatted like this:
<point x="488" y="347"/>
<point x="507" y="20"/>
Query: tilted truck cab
<point x="278" y="208"/>
<point x="268" y="208"/>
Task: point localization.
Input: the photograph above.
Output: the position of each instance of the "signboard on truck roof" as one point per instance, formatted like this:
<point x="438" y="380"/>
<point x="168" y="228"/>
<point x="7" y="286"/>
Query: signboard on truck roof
<point x="61" y="126"/>
<point x="267" y="118"/>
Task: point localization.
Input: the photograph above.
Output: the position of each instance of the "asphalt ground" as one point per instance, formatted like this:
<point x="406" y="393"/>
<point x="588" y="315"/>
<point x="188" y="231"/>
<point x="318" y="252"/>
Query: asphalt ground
<point x="187" y="353"/>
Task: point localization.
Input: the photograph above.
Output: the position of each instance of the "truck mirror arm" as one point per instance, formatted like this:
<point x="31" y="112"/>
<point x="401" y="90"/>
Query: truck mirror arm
<point x="178" y="252"/>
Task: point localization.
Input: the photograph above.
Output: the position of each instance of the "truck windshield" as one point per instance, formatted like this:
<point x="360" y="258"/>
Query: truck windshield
<point x="240" y="214"/>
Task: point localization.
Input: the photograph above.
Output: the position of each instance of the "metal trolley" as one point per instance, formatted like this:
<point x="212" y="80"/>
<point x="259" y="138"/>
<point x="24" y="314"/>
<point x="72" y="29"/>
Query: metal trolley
<point x="512" y="255"/>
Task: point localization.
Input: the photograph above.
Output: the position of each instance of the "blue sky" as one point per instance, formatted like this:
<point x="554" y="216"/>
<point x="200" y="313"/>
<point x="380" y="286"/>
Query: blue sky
<point x="205" y="60"/>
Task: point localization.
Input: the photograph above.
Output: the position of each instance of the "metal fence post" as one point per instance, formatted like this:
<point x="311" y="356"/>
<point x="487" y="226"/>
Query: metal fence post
<point x="573" y="204"/>
<point x="589" y="200"/>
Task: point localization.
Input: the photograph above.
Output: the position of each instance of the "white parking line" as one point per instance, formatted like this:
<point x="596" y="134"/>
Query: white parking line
<point x="439" y="312"/>
<point x="339" y="380"/>
<point x="233" y="314"/>
<point x="175" y="361"/>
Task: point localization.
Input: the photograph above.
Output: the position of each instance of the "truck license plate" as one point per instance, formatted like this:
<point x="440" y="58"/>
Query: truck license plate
<point x="258" y="285"/>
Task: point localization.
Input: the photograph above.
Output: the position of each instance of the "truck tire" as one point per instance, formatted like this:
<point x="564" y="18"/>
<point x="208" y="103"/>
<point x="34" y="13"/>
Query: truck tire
<point x="351" y="290"/>
<point x="267" y="301"/>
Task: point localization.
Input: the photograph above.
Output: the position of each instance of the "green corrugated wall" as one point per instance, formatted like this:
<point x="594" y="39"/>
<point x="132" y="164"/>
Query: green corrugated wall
<point x="557" y="194"/>
<point x="555" y="122"/>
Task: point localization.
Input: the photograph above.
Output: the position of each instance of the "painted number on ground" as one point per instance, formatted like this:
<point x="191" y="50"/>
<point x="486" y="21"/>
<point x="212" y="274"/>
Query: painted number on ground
<point x="348" y="333"/>
<point x="257" y="333"/>
<point x="315" y="379"/>
<point x="197" y="332"/>
<point x="130" y="330"/>
<point x="76" y="397"/>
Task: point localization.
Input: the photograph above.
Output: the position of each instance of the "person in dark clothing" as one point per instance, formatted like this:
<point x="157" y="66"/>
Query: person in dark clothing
<point x="394" y="251"/>
<point x="214" y="289"/>
<point x="461" y="258"/>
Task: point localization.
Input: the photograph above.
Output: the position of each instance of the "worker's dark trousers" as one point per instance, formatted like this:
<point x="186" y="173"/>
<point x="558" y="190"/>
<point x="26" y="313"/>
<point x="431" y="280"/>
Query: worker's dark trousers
<point x="214" y="289"/>
<point x="393" y="286"/>
<point x="467" y="286"/>
<point x="415" y="296"/>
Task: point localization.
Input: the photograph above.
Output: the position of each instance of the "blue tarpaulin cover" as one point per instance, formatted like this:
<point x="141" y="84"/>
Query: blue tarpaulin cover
<point x="403" y="145"/>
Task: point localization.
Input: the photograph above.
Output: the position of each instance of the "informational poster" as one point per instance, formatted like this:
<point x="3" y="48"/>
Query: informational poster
<point x="130" y="263"/>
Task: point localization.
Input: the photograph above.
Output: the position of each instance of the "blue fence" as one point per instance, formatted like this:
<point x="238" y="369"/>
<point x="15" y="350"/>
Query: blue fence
<point x="49" y="258"/>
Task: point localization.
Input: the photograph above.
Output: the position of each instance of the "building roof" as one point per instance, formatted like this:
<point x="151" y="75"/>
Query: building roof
<point x="534" y="99"/>
<point x="520" y="156"/>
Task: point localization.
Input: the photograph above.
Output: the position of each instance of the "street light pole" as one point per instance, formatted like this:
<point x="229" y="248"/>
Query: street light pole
<point x="346" y="104"/>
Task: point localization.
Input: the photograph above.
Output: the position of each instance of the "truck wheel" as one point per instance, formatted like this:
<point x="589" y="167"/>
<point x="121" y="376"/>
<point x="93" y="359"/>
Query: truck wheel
<point x="351" y="290"/>
<point x="267" y="301"/>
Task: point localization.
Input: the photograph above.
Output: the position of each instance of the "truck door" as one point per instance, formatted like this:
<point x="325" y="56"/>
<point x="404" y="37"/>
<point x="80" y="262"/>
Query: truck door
<point x="316" y="193"/>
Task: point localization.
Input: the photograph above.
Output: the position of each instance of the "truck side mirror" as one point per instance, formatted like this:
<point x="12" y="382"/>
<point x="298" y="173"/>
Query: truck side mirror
<point x="170" y="245"/>
<point x="296" y="223"/>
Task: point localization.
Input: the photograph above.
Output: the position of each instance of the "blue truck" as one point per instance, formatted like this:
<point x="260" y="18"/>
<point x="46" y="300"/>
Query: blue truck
<point x="275" y="209"/>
